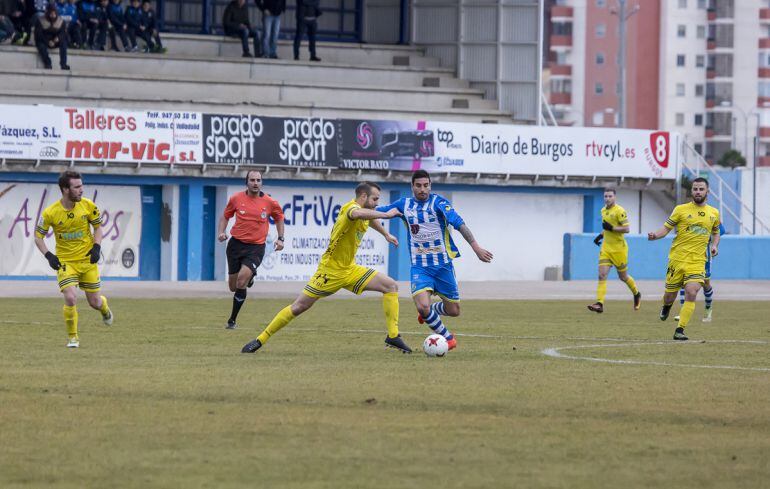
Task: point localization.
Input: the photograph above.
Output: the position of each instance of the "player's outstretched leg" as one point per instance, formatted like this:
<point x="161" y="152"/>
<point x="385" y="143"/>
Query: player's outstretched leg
<point x="242" y="280"/>
<point x="71" y="320"/>
<point x="432" y="318"/>
<point x="284" y="317"/>
<point x="631" y="283"/>
<point x="691" y="292"/>
<point x="601" y="290"/>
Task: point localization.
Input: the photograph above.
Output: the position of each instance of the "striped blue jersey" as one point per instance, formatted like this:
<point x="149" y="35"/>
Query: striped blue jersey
<point x="428" y="228"/>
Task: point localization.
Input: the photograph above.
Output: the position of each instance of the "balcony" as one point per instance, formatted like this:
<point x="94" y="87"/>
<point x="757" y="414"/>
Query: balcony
<point x="764" y="73"/>
<point x="710" y="103"/>
<point x="764" y="43"/>
<point x="712" y="15"/>
<point x="557" y="98"/>
<point x="561" y="41"/>
<point x="764" y="133"/>
<point x="561" y="12"/>
<point x="763" y="102"/>
<point x="561" y="70"/>
<point x="711" y="44"/>
<point x="711" y="73"/>
<point x="709" y="132"/>
<point x="764" y="15"/>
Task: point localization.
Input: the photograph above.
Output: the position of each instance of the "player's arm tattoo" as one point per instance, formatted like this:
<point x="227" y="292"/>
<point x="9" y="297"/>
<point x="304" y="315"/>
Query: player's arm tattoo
<point x="467" y="234"/>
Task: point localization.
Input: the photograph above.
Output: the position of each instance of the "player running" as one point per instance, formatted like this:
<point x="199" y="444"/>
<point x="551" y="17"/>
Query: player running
<point x="708" y="289"/>
<point x="246" y="247"/>
<point x="614" y="251"/>
<point x="77" y="250"/>
<point x="338" y="269"/>
<point x="428" y="218"/>
<point x="697" y="224"/>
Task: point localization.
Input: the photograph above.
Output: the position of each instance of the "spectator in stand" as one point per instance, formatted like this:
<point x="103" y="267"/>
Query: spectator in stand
<point x="24" y="21"/>
<point x="102" y="25"/>
<point x="16" y="16"/>
<point x="307" y="14"/>
<point x="89" y="21"/>
<point x="134" y="23"/>
<point x="236" y="23"/>
<point x="68" y="11"/>
<point x="150" y="25"/>
<point x="7" y="30"/>
<point x="51" y="32"/>
<point x="117" y="25"/>
<point x="271" y="25"/>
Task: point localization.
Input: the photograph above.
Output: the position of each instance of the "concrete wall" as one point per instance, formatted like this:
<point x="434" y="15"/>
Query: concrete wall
<point x="740" y="257"/>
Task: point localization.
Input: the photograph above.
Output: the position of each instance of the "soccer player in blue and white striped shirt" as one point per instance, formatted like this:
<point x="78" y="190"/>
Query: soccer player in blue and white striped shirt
<point x="429" y="218"/>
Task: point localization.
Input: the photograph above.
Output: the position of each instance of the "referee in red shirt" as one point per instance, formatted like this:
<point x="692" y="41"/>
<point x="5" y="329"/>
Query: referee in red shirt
<point x="247" y="243"/>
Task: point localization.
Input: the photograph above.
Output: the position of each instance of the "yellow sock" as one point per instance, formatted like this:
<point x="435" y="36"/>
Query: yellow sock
<point x="280" y="320"/>
<point x="632" y="285"/>
<point x="686" y="313"/>
<point x="71" y="320"/>
<point x="601" y="291"/>
<point x="390" y="306"/>
<point x="105" y="308"/>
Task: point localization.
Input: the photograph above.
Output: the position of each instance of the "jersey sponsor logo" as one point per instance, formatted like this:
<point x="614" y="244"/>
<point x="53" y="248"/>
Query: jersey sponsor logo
<point x="414" y="228"/>
<point x="428" y="251"/>
<point x="71" y="236"/>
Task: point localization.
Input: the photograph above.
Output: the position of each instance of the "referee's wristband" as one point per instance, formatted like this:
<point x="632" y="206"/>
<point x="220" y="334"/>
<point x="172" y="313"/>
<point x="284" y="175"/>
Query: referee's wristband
<point x="279" y="238"/>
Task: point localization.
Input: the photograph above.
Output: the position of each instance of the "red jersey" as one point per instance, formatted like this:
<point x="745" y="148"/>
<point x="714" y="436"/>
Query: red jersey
<point x="251" y="213"/>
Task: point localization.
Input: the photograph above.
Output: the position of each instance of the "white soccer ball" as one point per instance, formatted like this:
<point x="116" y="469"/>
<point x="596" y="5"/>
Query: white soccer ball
<point x="435" y="345"/>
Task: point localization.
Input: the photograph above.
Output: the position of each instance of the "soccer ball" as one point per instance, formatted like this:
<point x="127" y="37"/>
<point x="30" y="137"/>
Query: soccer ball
<point x="435" y="345"/>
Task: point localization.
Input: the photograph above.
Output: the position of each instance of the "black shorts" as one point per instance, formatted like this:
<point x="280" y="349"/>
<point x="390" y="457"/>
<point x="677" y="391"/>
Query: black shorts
<point x="240" y="253"/>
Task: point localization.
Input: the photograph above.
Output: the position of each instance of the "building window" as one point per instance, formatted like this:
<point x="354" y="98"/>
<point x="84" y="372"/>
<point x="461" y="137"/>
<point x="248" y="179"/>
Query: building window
<point x="681" y="31"/>
<point x="680" y="59"/>
<point x="700" y="61"/>
<point x="618" y="87"/>
<point x="599" y="89"/>
<point x="700" y="31"/>
<point x="682" y="3"/>
<point x="679" y="119"/>
<point x="698" y="147"/>
<point x="598" y="118"/>
<point x="702" y="4"/>
<point x="698" y="119"/>
<point x="680" y="89"/>
<point x="699" y="90"/>
<point x="599" y="58"/>
<point x="600" y="30"/>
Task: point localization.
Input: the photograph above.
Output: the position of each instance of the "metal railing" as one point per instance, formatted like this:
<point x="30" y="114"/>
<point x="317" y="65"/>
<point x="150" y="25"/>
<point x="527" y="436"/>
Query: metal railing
<point x="720" y="190"/>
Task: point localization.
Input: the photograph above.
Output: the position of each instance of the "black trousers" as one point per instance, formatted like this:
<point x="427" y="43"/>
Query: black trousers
<point x="309" y="26"/>
<point x="42" y="48"/>
<point x="244" y="33"/>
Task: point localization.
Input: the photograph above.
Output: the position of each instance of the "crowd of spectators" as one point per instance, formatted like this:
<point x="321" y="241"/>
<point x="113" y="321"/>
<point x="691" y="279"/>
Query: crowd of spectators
<point x="109" y="24"/>
<point x="80" y="24"/>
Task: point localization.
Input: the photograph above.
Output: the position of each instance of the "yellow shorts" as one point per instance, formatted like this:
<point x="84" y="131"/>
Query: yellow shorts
<point x="680" y="273"/>
<point x="614" y="258"/>
<point x="327" y="281"/>
<point x="84" y="274"/>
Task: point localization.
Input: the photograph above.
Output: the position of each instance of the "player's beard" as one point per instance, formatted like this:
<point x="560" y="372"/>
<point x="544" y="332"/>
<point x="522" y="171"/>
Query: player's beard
<point x="699" y="199"/>
<point x="75" y="197"/>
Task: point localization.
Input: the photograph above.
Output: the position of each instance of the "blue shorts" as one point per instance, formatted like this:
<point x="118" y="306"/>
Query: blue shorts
<point x="708" y="268"/>
<point x="439" y="280"/>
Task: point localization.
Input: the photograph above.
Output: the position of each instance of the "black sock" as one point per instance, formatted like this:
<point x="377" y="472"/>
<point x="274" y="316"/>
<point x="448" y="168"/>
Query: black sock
<point x="238" y="299"/>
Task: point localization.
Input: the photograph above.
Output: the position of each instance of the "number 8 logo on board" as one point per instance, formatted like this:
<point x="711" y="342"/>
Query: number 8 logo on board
<point x="660" y="148"/>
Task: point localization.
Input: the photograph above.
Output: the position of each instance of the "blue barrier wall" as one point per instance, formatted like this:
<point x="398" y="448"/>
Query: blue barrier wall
<point x="740" y="257"/>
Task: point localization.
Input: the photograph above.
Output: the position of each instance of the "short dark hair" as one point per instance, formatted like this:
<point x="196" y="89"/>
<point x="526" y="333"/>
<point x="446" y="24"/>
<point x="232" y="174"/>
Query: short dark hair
<point x="65" y="177"/>
<point x="366" y="188"/>
<point x="701" y="180"/>
<point x="420" y="174"/>
<point x="610" y="189"/>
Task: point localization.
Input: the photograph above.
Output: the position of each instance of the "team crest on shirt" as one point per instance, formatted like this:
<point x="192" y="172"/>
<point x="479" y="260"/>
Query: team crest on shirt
<point x="242" y="211"/>
<point x="263" y="215"/>
<point x="414" y="228"/>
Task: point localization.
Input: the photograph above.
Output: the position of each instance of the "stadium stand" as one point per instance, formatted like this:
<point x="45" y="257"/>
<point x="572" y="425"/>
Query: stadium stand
<point x="206" y="72"/>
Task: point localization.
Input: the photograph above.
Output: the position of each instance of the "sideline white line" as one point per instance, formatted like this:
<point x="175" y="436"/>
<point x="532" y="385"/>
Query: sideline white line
<point x="556" y="353"/>
<point x="38" y="323"/>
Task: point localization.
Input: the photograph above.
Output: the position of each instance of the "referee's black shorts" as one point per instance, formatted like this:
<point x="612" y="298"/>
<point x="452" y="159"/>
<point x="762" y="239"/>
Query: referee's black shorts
<point x="240" y="253"/>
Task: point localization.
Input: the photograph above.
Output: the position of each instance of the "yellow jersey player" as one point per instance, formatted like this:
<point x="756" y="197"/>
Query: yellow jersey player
<point x="696" y="223"/>
<point x="77" y="250"/>
<point x="614" y="250"/>
<point x="338" y="269"/>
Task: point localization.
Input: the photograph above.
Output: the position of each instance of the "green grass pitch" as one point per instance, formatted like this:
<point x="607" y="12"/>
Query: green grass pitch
<point x="164" y="398"/>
